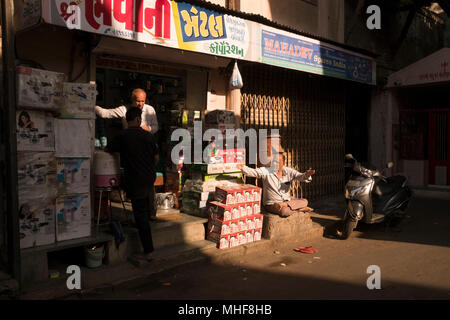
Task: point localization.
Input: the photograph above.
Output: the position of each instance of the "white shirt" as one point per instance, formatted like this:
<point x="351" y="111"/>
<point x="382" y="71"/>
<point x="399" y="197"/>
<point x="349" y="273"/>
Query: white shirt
<point x="148" y="116"/>
<point x="275" y="189"/>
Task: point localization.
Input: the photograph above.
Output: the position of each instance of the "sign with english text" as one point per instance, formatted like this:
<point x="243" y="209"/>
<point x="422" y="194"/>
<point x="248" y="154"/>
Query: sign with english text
<point x="304" y="54"/>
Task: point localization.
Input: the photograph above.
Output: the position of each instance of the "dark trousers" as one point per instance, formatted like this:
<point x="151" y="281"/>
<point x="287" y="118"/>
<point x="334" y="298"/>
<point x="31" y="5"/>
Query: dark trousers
<point x="152" y="202"/>
<point x="141" y="210"/>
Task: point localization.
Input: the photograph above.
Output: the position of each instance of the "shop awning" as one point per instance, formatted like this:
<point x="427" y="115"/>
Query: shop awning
<point x="190" y="27"/>
<point x="433" y="69"/>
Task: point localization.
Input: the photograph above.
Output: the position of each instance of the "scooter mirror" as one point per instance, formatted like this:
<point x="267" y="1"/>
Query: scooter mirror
<point x="390" y="165"/>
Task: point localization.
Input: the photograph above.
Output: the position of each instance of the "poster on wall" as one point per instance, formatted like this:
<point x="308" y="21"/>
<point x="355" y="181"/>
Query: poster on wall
<point x="293" y="51"/>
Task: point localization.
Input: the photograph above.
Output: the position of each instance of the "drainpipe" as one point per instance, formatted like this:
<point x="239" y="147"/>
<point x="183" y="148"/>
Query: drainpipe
<point x="9" y="138"/>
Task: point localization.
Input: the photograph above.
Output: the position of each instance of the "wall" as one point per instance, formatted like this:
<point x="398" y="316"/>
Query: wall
<point x="196" y="86"/>
<point x="320" y="17"/>
<point x="217" y="88"/>
<point x="55" y="55"/>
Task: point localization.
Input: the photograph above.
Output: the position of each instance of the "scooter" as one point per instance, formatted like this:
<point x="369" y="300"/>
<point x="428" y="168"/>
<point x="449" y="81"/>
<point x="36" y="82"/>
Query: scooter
<point x="373" y="198"/>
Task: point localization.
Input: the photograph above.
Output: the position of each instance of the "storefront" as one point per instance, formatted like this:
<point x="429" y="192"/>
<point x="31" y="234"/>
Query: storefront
<point x="421" y="120"/>
<point x="181" y="55"/>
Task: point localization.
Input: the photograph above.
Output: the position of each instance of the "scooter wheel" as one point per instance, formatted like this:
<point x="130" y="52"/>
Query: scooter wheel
<point x="349" y="225"/>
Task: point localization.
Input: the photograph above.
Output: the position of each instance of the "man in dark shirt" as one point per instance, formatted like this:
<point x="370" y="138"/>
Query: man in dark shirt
<point x="138" y="156"/>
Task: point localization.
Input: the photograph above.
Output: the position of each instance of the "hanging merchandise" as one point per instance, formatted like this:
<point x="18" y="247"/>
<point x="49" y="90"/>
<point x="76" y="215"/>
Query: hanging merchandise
<point x="39" y="89"/>
<point x="35" y="131"/>
<point x="236" y="78"/>
<point x="73" y="138"/>
<point x="79" y="101"/>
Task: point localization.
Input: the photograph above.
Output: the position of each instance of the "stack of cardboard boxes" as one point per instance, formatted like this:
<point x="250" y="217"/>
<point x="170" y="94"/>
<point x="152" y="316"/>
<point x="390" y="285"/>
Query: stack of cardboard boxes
<point x="235" y="216"/>
<point x="54" y="130"/>
<point x="219" y="167"/>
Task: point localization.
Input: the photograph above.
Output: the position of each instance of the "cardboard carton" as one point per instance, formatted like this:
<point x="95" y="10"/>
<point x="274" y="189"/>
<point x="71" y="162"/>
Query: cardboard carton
<point x="73" y="175"/>
<point x="73" y="217"/>
<point x="249" y="235"/>
<point x="224" y="242"/>
<point x="233" y="240"/>
<point x="39" y="89"/>
<point x="79" y="101"/>
<point x="258" y="218"/>
<point x="36" y="173"/>
<point x="35" y="131"/>
<point x="242" y="238"/>
<point x="220" y="211"/>
<point x="257" y="235"/>
<point x="73" y="138"/>
<point x="36" y="222"/>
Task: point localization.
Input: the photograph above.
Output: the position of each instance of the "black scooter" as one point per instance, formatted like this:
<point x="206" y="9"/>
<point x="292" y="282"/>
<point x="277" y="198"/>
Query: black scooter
<point x="372" y="197"/>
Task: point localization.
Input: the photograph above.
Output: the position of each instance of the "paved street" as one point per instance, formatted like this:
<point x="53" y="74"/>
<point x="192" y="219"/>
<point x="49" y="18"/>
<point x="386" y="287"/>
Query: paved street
<point x="414" y="262"/>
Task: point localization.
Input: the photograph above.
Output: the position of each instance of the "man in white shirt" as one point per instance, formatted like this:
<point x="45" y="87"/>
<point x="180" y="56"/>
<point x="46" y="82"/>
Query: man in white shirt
<point x="138" y="96"/>
<point x="149" y="123"/>
<point x="276" y="181"/>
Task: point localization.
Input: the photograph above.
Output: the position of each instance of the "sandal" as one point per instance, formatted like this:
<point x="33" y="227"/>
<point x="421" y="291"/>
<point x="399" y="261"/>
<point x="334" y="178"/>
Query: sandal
<point x="309" y="249"/>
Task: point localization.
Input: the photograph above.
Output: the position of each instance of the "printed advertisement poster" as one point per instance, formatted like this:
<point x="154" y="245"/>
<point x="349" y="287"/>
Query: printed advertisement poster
<point x="301" y="53"/>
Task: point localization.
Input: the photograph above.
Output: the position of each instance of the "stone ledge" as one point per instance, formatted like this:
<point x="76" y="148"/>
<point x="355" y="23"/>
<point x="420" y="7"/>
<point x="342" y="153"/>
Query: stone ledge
<point x="276" y="227"/>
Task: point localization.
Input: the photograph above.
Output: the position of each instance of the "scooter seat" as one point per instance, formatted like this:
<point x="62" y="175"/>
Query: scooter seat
<point x="392" y="185"/>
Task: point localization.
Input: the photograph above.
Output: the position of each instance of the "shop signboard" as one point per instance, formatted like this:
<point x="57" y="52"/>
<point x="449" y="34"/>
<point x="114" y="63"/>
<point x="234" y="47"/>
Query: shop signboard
<point x="206" y="31"/>
<point x="161" y="22"/>
<point x="293" y="51"/>
<point x="189" y="27"/>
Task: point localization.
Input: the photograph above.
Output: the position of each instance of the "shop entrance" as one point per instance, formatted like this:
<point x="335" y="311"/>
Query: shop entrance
<point x="425" y="137"/>
<point x="164" y="92"/>
<point x="439" y="148"/>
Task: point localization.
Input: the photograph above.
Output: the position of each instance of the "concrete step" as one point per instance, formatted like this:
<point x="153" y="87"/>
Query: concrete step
<point x="107" y="276"/>
<point x="175" y="229"/>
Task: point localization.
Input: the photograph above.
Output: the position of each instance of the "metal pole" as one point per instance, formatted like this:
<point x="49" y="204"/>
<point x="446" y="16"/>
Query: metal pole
<point x="10" y="142"/>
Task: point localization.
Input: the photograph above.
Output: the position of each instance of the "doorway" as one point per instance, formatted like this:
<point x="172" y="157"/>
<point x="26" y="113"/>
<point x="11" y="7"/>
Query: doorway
<point x="439" y="148"/>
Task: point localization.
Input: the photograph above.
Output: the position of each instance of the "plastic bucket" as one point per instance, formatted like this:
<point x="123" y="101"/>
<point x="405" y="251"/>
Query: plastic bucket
<point x="94" y="256"/>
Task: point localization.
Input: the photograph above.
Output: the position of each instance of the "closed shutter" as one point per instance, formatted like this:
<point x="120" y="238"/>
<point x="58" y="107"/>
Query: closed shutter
<point x="309" y="112"/>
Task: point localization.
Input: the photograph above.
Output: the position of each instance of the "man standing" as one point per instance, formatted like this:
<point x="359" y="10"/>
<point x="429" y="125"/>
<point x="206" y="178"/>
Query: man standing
<point x="138" y="155"/>
<point x="138" y="97"/>
<point x="149" y="123"/>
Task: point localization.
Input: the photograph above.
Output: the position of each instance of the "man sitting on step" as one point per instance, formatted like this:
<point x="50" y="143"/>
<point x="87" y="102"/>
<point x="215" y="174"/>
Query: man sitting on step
<point x="276" y="181"/>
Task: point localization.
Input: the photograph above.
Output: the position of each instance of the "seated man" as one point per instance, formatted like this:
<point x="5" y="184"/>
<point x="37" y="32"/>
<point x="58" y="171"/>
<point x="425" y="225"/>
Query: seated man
<point x="276" y="181"/>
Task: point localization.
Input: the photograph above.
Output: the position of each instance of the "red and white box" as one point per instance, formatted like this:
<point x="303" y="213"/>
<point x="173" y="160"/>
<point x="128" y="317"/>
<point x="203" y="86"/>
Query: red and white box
<point x="242" y="225"/>
<point x="214" y="237"/>
<point x="224" y="242"/>
<point x="249" y="235"/>
<point x="249" y="208"/>
<point x="239" y="196"/>
<point x="234" y="226"/>
<point x="256" y="208"/>
<point x="218" y="226"/>
<point x="227" y="195"/>
<point x="233" y="240"/>
<point x="250" y="223"/>
<point x="243" y="211"/>
<point x="257" y="235"/>
<point x="256" y="191"/>
<point x="235" y="213"/>
<point x="258" y="218"/>
<point x="220" y="211"/>
<point x="242" y="239"/>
